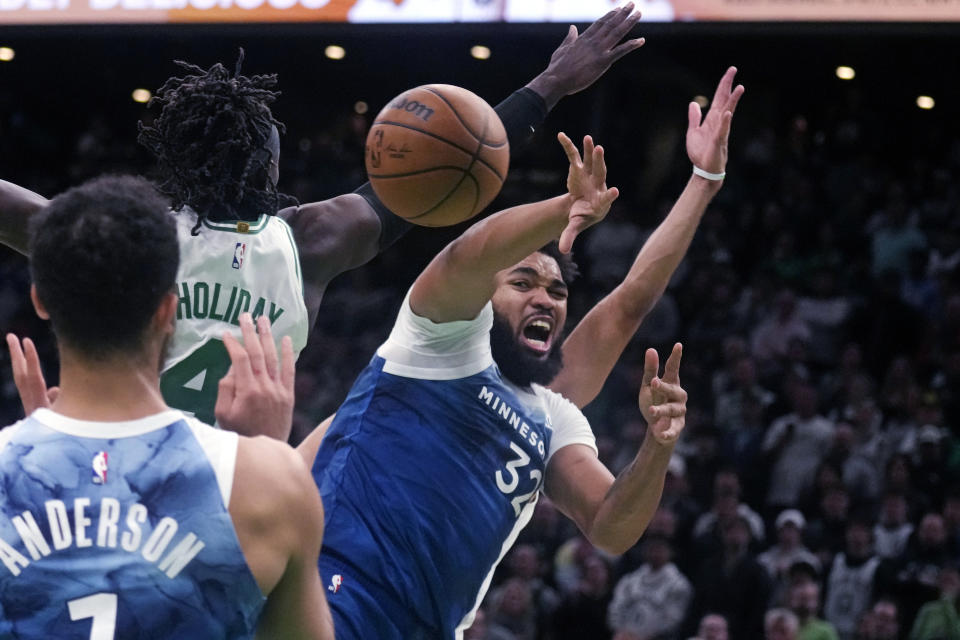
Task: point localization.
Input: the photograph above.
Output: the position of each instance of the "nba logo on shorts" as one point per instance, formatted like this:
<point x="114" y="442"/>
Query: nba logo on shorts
<point x="335" y="583"/>
<point x="100" y="468"/>
<point x="238" y="252"/>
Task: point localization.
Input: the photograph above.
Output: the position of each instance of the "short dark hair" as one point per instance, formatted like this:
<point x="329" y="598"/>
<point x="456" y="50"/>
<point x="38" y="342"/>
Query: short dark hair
<point x="210" y="138"/>
<point x="102" y="255"/>
<point x="568" y="268"/>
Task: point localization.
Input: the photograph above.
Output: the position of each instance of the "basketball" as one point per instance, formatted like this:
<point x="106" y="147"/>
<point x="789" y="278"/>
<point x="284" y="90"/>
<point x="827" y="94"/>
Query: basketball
<point x="437" y="155"/>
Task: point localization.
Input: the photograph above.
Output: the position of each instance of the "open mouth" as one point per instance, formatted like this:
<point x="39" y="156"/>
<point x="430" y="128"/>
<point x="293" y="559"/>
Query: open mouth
<point x="536" y="336"/>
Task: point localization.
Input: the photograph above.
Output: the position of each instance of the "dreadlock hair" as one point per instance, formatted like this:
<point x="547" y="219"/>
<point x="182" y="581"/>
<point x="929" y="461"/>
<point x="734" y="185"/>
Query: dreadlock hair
<point x="209" y="140"/>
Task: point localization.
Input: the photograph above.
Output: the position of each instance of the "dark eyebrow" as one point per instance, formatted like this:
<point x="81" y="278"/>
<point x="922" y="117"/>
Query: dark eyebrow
<point x="557" y="283"/>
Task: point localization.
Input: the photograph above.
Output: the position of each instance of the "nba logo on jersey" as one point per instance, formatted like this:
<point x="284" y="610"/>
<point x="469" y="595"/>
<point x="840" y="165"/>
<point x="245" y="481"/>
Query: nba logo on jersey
<point x="100" y="468"/>
<point x="335" y="583"/>
<point x="238" y="252"/>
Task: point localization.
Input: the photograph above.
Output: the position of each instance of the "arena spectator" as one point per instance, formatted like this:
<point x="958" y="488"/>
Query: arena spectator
<point x="733" y="583"/>
<point x="940" y="619"/>
<point x="795" y="444"/>
<point x="804" y="601"/>
<point x="780" y="624"/>
<point x="852" y="579"/>
<point x="713" y="626"/>
<point x="787" y="551"/>
<point x="892" y="532"/>
<point x="651" y="602"/>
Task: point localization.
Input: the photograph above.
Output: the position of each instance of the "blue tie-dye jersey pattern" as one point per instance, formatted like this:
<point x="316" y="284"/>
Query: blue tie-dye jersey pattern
<point x="213" y="596"/>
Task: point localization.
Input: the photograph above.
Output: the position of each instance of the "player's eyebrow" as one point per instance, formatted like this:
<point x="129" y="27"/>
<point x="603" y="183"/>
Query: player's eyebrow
<point x="556" y="283"/>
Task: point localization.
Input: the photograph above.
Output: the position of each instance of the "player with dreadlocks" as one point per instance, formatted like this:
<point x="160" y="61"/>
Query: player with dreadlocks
<point x="217" y="144"/>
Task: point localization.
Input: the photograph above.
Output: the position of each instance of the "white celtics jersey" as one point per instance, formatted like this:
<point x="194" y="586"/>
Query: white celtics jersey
<point x="229" y="268"/>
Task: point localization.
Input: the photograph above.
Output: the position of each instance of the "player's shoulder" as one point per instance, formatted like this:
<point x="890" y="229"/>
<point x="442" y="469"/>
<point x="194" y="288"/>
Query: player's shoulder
<point x="276" y="480"/>
<point x="556" y="402"/>
<point x="274" y="463"/>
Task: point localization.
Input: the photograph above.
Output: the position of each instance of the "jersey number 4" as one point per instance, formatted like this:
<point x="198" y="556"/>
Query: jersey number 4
<point x="510" y="486"/>
<point x="192" y="384"/>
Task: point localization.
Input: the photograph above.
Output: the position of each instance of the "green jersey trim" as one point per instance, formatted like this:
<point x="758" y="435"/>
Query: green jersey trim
<point x="252" y="228"/>
<point x="296" y="253"/>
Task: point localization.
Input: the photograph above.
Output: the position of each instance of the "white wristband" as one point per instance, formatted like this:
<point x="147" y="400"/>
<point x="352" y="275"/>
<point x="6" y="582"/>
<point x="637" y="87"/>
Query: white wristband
<point x="706" y="174"/>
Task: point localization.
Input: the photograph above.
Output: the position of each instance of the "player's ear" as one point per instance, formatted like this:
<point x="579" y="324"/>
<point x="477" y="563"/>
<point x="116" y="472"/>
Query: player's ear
<point x="37" y="305"/>
<point x="166" y="312"/>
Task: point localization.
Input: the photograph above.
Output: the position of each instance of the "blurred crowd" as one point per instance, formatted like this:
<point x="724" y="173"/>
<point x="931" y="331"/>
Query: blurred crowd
<point x="815" y="493"/>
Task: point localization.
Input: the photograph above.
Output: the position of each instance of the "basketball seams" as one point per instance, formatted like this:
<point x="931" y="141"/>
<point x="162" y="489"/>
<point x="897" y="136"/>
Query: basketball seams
<point x="476" y="185"/>
<point x="472" y="154"/>
<point x="453" y="109"/>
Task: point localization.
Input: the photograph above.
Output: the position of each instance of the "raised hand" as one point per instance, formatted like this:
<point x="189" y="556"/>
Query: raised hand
<point x="663" y="402"/>
<point x="707" y="136"/>
<point x="28" y="376"/>
<point x="582" y="58"/>
<point x="587" y="182"/>
<point x="256" y="395"/>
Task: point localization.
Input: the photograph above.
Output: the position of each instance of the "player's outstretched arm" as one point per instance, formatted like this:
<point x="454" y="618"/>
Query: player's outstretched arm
<point x="460" y="280"/>
<point x="596" y="343"/>
<point x="581" y="59"/>
<point x="345" y="232"/>
<point x="278" y="516"/>
<point x="17" y="205"/>
<point x="614" y="513"/>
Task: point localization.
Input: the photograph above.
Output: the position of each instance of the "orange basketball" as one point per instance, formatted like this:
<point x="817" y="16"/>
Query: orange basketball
<point x="437" y="155"/>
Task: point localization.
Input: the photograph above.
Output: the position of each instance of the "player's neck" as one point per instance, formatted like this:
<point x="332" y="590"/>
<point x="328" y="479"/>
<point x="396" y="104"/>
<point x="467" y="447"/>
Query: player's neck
<point x="112" y="390"/>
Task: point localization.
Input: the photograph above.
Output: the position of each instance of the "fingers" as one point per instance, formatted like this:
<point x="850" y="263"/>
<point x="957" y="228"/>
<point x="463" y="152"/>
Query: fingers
<point x="226" y="393"/>
<point x="628" y="21"/>
<point x="251" y="343"/>
<point x="588" y="150"/>
<point x="268" y="346"/>
<point x="623" y="49"/>
<point x="608" y="198"/>
<point x="17" y="362"/>
<point x="599" y="167"/>
<point x="52" y="394"/>
<point x="665" y="392"/>
<point x="651" y="365"/>
<point x="605" y="22"/>
<point x="694" y="117"/>
<point x="288" y="367"/>
<point x="722" y="95"/>
<point x="571" y="36"/>
<point x="671" y="371"/>
<point x="239" y="360"/>
<point x="669" y="410"/>
<point x="735" y="98"/>
<point x="27" y="373"/>
<point x="573" y="156"/>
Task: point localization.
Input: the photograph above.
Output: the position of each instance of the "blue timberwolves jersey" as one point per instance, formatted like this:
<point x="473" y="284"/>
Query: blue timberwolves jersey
<point x="120" y="530"/>
<point x="428" y="473"/>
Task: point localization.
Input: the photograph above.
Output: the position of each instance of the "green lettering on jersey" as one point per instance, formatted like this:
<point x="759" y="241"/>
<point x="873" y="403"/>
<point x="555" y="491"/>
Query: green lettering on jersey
<point x="233" y="296"/>
<point x="258" y="309"/>
<point x="243" y="304"/>
<point x="201" y="292"/>
<point x="183" y="306"/>
<point x="275" y="312"/>
<point x="213" y="306"/>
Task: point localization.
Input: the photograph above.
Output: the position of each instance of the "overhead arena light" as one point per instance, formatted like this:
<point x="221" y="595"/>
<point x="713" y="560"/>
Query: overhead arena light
<point x="846" y="73"/>
<point x="141" y="95"/>
<point x="703" y="101"/>
<point x="335" y="52"/>
<point x="925" y="102"/>
<point x="7" y="54"/>
<point x="360" y="107"/>
<point x="480" y="52"/>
